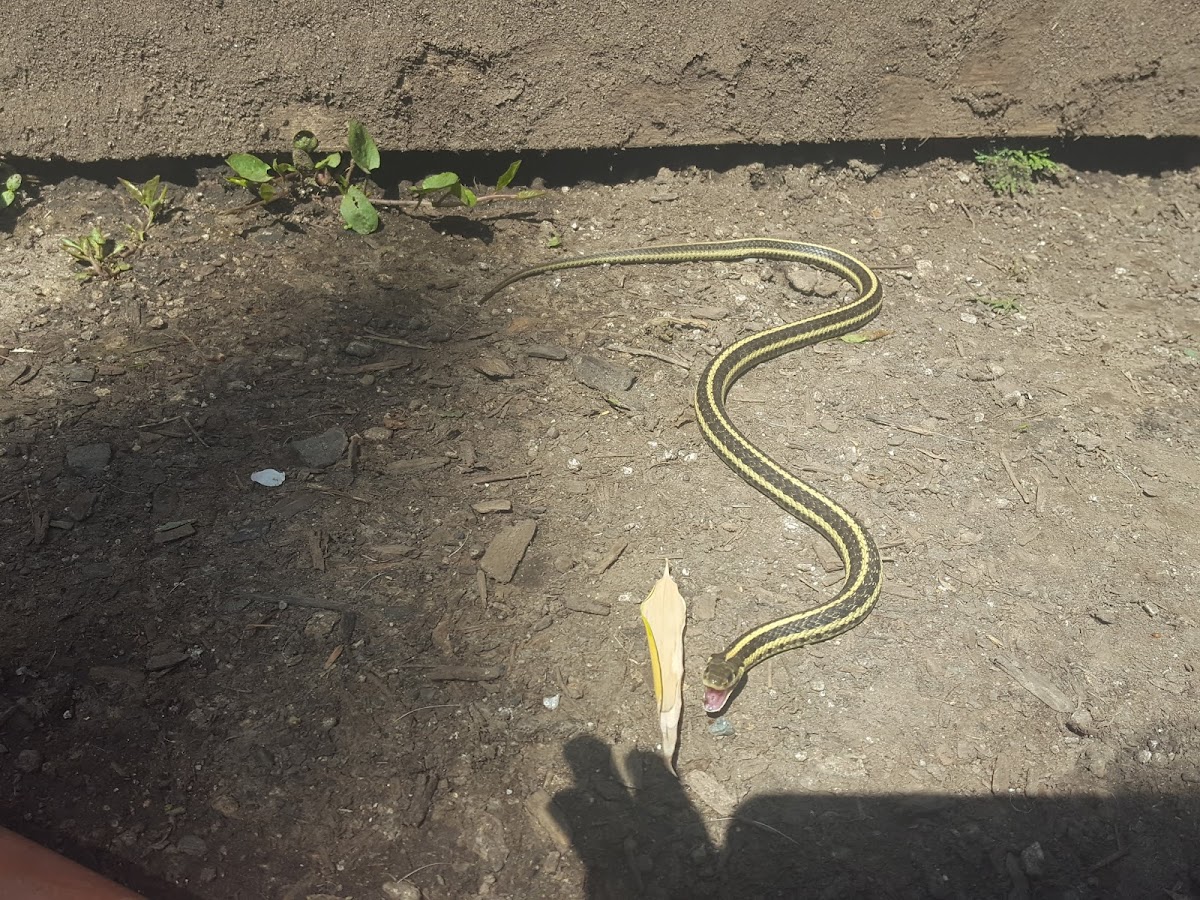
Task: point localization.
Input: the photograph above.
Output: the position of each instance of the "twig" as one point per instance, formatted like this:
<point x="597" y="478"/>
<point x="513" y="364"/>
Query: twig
<point x="505" y="476"/>
<point x="395" y="342"/>
<point x="417" y="710"/>
<point x="638" y="351"/>
<point x="192" y="429"/>
<point x="1108" y="860"/>
<point x="328" y="490"/>
<point x="914" y="429"/>
<point x="763" y="825"/>
<point x="1012" y="477"/>
<point x="456" y="204"/>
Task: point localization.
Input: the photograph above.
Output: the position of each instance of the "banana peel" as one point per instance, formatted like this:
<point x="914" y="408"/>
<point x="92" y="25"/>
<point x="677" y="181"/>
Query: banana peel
<point x="664" y="613"/>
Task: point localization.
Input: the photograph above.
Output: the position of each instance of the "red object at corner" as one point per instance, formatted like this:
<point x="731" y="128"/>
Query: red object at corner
<point x="29" y="871"/>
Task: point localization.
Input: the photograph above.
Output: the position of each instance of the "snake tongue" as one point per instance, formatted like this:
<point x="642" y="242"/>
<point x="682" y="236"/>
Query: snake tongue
<point x="714" y="700"/>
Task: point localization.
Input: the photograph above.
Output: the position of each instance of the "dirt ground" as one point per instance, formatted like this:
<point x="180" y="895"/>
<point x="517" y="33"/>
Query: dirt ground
<point x="215" y="689"/>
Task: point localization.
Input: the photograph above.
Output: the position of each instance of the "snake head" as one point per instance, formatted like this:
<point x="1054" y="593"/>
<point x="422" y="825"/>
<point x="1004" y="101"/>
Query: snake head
<point x="720" y="678"/>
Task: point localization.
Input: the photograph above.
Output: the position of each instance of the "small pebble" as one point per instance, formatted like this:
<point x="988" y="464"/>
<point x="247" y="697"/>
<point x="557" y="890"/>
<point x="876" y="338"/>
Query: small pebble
<point x="29" y="761"/>
<point x="359" y="350"/>
<point x="1033" y="860"/>
<point x="722" y="727"/>
<point x="401" y="890"/>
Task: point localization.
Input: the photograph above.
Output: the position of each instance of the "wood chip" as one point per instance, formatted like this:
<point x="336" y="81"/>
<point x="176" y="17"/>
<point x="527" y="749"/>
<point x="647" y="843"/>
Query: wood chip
<point x="603" y="375"/>
<point x="1037" y="685"/>
<point x="545" y="351"/>
<point x="180" y="531"/>
<point x="613" y="554"/>
<point x="318" y="543"/>
<point x="507" y="549"/>
<point x="583" y="605"/>
<point x="494" y="367"/>
<point x="827" y="557"/>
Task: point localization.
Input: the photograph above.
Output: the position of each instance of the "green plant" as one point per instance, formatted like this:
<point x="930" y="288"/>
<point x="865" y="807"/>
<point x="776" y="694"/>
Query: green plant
<point x="12" y="188"/>
<point x="152" y="198"/>
<point x="998" y="305"/>
<point x="101" y="257"/>
<point x="306" y="176"/>
<point x="1011" y="171"/>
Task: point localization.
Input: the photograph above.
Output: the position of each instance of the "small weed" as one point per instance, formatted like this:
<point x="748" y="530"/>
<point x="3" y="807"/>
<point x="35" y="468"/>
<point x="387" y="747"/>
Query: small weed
<point x="101" y="257"/>
<point x="152" y="198"/>
<point x="308" y="176"/>
<point x="11" y="192"/>
<point x="998" y="305"/>
<point x="104" y="257"/>
<point x="1011" y="171"/>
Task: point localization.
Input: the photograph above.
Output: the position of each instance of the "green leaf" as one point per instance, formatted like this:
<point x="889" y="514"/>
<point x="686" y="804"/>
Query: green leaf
<point x="465" y="194"/>
<point x="358" y="212"/>
<point x="249" y="167"/>
<point x="305" y="141"/>
<point x="267" y="192"/>
<point x="554" y="241"/>
<point x="332" y="161"/>
<point x="7" y="197"/>
<point x="438" y="182"/>
<point x="362" y="148"/>
<point x="509" y="174"/>
<point x="528" y="195"/>
<point x="282" y="168"/>
<point x="12" y="184"/>
<point x="855" y="338"/>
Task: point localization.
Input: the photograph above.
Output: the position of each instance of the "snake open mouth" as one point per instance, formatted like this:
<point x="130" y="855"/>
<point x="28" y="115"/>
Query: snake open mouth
<point x="714" y="700"/>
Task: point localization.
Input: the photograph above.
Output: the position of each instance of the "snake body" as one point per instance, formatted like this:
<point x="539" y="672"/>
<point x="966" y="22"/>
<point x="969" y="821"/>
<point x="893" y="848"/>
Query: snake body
<point x="853" y="544"/>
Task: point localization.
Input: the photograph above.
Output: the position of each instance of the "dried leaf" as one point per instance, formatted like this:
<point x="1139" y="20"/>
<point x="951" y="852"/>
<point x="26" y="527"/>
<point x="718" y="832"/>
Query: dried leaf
<point x="663" y="614"/>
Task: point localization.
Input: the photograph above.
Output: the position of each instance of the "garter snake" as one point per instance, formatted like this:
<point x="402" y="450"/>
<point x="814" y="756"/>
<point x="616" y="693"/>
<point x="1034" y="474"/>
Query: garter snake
<point x="859" y="556"/>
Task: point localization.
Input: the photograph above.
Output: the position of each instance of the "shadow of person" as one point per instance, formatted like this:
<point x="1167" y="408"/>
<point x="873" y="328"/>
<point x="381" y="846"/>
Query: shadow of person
<point x="633" y="828"/>
<point x="639" y="836"/>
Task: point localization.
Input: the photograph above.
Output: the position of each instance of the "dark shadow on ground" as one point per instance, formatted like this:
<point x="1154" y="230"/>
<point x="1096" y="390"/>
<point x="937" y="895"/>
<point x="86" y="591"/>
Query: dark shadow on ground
<point x="651" y="841"/>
